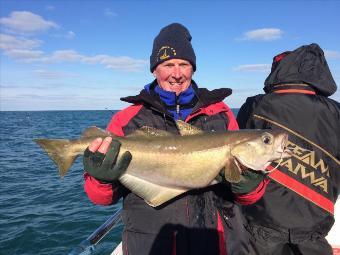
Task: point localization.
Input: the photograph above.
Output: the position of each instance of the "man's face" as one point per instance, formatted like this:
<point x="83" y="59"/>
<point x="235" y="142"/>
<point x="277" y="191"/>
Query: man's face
<point x="174" y="75"/>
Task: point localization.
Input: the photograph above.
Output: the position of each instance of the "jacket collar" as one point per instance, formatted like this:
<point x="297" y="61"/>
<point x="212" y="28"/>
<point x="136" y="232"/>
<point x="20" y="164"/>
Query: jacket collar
<point x="205" y="97"/>
<point x="292" y="88"/>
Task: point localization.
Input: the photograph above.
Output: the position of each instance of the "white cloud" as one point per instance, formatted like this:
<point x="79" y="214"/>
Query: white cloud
<point x="44" y="96"/>
<point x="253" y="68"/>
<point x="25" y="55"/>
<point x="122" y="63"/>
<point x="46" y="74"/>
<point x="64" y="56"/>
<point x="50" y="8"/>
<point x="25" y="50"/>
<point x="109" y="13"/>
<point x="9" y="42"/>
<point x="263" y="34"/>
<point x="70" y="35"/>
<point x="332" y="54"/>
<point x="26" y="22"/>
<point x="117" y="63"/>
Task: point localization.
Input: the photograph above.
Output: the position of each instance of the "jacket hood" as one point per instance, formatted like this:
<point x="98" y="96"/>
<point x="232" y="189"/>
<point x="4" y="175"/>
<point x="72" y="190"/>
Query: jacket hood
<point x="204" y="96"/>
<point x="306" y="65"/>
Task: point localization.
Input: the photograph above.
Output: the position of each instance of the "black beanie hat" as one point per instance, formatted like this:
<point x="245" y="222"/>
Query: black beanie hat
<point x="172" y="42"/>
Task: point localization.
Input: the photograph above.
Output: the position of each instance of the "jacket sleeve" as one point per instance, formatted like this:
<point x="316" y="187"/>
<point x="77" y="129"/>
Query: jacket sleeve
<point x="232" y="125"/>
<point x="101" y="193"/>
<point x="253" y="196"/>
<point x="109" y="193"/>
<point x="98" y="192"/>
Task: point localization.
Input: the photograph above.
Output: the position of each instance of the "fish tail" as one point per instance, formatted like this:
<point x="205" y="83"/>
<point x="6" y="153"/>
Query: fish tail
<point x="60" y="151"/>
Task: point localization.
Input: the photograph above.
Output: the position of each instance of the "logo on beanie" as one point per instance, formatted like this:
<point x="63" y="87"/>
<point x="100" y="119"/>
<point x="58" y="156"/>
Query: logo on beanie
<point x="166" y="52"/>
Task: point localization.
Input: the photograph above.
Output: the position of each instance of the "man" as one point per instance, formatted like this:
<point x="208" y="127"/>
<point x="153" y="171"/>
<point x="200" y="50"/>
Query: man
<point x="297" y="210"/>
<point x="202" y="221"/>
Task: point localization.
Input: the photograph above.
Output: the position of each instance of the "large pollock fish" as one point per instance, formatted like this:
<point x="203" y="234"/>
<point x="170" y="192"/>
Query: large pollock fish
<point x="164" y="165"/>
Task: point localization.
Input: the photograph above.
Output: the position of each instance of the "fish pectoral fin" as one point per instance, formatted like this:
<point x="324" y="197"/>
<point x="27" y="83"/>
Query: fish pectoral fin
<point x="153" y="194"/>
<point x="232" y="171"/>
<point x="94" y="132"/>
<point x="164" y="196"/>
<point x="187" y="129"/>
<point x="146" y="131"/>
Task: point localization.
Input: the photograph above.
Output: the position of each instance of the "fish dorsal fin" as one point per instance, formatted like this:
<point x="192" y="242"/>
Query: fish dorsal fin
<point x="95" y="132"/>
<point x="187" y="129"/>
<point x="232" y="171"/>
<point x="146" y="131"/>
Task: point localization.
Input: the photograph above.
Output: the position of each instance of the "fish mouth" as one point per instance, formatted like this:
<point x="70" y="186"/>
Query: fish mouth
<point x="284" y="149"/>
<point x="285" y="152"/>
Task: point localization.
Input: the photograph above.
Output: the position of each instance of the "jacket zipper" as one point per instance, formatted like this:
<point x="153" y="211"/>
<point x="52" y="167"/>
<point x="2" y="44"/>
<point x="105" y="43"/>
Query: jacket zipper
<point x="178" y="108"/>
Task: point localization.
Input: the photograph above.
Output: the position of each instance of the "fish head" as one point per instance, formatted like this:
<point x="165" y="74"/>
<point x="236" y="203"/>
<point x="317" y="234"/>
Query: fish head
<point x="260" y="150"/>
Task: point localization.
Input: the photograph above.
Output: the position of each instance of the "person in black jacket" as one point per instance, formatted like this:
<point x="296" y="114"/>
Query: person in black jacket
<point x="202" y="221"/>
<point x="297" y="210"/>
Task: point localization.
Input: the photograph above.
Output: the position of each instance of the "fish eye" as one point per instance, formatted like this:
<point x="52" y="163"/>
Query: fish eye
<point x="267" y="139"/>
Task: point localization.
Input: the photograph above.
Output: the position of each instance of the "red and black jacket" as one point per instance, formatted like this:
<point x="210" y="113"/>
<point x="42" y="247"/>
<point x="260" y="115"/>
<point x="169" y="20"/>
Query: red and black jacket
<point x="301" y="194"/>
<point x="193" y="222"/>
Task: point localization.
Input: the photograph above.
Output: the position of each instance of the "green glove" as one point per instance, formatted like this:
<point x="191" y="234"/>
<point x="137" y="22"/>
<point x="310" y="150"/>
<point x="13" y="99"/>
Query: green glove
<point x="104" y="167"/>
<point x="249" y="181"/>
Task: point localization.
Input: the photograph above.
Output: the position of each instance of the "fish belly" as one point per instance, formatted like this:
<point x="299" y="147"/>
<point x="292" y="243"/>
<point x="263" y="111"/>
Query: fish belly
<point x="178" y="169"/>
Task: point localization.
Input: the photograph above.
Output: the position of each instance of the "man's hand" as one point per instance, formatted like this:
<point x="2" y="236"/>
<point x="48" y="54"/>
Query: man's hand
<point x="250" y="179"/>
<point x="100" y="160"/>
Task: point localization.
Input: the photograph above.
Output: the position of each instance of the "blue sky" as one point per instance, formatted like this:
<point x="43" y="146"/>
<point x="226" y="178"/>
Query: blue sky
<point x="79" y="55"/>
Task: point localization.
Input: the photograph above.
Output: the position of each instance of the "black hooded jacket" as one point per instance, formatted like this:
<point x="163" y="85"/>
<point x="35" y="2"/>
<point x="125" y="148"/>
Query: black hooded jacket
<point x="301" y="194"/>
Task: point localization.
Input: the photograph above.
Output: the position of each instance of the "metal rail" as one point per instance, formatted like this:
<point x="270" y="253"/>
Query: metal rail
<point x="87" y="246"/>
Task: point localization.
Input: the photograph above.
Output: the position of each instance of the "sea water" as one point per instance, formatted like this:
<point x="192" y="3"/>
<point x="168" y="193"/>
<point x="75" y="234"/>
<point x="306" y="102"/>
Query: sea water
<point x="40" y="213"/>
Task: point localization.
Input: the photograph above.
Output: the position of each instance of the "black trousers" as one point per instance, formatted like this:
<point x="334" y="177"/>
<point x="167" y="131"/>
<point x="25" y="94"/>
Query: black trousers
<point x="267" y="241"/>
